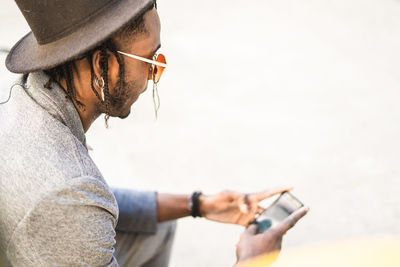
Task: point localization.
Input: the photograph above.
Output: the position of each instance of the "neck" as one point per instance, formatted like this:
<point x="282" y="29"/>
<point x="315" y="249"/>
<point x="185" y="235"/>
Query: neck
<point x="89" y="113"/>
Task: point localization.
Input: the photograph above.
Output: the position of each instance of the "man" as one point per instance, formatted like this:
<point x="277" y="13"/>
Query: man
<point x="82" y="59"/>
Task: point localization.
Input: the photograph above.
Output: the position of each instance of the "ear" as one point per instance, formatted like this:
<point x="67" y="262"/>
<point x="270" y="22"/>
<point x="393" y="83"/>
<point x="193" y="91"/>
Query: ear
<point x="113" y="68"/>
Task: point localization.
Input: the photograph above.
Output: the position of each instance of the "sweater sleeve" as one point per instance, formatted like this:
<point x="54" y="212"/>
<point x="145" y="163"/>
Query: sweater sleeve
<point x="137" y="210"/>
<point x="71" y="226"/>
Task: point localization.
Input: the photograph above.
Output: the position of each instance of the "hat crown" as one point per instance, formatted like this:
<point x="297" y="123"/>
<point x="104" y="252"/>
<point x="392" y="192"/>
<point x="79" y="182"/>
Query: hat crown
<point x="51" y="20"/>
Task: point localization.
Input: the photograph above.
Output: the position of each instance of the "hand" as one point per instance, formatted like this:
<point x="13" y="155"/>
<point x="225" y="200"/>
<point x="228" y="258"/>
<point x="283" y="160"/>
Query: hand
<point x="235" y="208"/>
<point x="252" y="244"/>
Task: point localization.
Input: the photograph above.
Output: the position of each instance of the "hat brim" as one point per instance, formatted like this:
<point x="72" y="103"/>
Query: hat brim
<point x="28" y="56"/>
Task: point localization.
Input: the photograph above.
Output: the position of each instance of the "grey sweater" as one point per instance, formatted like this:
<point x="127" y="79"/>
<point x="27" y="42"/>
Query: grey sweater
<point x="55" y="207"/>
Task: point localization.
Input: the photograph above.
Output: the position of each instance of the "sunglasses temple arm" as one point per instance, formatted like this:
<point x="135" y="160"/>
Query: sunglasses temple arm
<point x="144" y="59"/>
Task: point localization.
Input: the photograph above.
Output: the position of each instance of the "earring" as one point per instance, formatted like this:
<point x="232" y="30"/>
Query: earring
<point x="156" y="99"/>
<point x="101" y="87"/>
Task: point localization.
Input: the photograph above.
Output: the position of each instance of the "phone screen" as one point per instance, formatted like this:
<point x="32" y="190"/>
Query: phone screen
<point x="285" y="205"/>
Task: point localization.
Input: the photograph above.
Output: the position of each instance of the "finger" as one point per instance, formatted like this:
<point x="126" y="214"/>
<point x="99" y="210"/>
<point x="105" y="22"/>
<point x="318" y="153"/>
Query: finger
<point x="251" y="230"/>
<point x="247" y="219"/>
<point x="259" y="210"/>
<point x="251" y="216"/>
<point x="291" y="220"/>
<point x="243" y="204"/>
<point x="271" y="192"/>
<point x="251" y="205"/>
<point x="232" y="195"/>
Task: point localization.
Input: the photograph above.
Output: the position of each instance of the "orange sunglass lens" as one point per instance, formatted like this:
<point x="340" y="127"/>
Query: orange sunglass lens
<point x="158" y="70"/>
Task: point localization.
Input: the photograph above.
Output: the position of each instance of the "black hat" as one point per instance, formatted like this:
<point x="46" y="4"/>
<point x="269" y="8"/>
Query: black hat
<point x="65" y="29"/>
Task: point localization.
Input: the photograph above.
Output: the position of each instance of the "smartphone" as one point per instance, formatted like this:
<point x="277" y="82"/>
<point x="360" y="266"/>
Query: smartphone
<point x="281" y="208"/>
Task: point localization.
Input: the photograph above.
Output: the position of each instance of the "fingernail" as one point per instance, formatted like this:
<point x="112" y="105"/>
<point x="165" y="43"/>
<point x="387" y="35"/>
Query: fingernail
<point x="307" y="209"/>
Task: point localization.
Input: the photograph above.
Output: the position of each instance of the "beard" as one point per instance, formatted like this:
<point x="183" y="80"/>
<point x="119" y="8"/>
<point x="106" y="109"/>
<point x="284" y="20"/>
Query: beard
<point x="119" y="101"/>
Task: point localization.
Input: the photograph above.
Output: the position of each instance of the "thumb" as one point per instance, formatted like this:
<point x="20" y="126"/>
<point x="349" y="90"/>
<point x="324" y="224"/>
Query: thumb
<point x="251" y="230"/>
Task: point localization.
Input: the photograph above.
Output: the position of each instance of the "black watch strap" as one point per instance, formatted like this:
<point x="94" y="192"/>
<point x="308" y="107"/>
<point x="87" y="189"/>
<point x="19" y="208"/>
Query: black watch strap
<point x="194" y="204"/>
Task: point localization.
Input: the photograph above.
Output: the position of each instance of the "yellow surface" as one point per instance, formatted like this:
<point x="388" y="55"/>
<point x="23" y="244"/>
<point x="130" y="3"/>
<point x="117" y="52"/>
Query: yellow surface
<point x="365" y="253"/>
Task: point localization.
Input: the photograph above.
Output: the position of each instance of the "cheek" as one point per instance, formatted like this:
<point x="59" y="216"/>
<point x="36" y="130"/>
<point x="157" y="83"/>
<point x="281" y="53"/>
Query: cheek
<point x="139" y="77"/>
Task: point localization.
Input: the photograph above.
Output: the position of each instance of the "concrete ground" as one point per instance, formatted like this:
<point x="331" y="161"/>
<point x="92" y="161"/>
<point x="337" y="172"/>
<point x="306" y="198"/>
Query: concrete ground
<point x="263" y="93"/>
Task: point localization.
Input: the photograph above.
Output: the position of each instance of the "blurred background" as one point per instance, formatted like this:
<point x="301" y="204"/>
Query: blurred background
<point x="258" y="94"/>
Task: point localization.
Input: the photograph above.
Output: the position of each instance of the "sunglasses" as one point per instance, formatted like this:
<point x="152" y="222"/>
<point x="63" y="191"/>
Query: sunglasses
<point x="158" y="64"/>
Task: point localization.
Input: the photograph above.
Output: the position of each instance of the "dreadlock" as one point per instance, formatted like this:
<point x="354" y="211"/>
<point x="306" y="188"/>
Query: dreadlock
<point x="65" y="70"/>
<point x="108" y="46"/>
